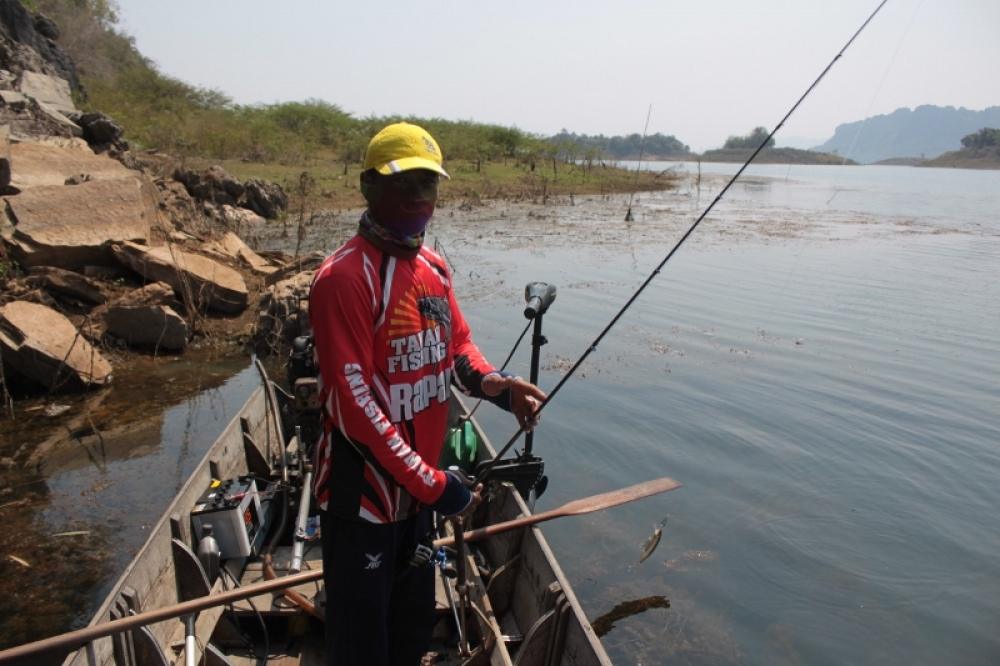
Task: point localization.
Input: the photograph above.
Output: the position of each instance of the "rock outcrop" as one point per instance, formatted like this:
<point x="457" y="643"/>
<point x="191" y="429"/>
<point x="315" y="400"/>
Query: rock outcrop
<point x="214" y="184"/>
<point x="154" y="327"/>
<point x="51" y="91"/>
<point x="81" y="225"/>
<point x="306" y="262"/>
<point x="283" y="312"/>
<point x="264" y="198"/>
<point x="154" y="293"/>
<point x="70" y="226"/>
<point x="28" y="119"/>
<point x="102" y="133"/>
<point x="186" y="214"/>
<point x="239" y="219"/>
<point x="67" y="284"/>
<point x="36" y="164"/>
<point x="44" y="346"/>
<point x="217" y="186"/>
<point x="200" y="281"/>
<point x="232" y="246"/>
<point x="27" y="43"/>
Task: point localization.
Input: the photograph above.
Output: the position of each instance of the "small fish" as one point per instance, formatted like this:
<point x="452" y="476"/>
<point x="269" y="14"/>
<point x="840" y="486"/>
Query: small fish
<point x="74" y="533"/>
<point x="15" y="558"/>
<point x="652" y="542"/>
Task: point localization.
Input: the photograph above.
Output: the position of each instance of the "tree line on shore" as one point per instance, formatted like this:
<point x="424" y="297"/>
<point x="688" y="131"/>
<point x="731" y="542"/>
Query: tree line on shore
<point x="165" y="113"/>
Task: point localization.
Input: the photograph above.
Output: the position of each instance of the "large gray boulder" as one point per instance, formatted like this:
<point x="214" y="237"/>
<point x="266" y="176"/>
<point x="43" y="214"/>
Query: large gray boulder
<point x="29" y="119"/>
<point x="232" y="246"/>
<point x="198" y="280"/>
<point x="155" y="327"/>
<point x="214" y="184"/>
<point x="70" y="226"/>
<point x="154" y="293"/>
<point x="51" y="91"/>
<point x="306" y="262"/>
<point x="44" y="346"/>
<point x="53" y="98"/>
<point x="264" y="198"/>
<point x="283" y="313"/>
<point x="240" y="219"/>
<point x="65" y="283"/>
<point x="184" y="212"/>
<point x="36" y="164"/>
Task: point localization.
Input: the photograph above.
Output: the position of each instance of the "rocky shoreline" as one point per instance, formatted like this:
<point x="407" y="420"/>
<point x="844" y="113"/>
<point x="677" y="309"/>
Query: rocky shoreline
<point x="109" y="256"/>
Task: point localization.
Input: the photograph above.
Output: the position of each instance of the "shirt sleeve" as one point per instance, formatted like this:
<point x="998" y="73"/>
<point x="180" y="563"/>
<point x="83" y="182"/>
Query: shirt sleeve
<point x="341" y="314"/>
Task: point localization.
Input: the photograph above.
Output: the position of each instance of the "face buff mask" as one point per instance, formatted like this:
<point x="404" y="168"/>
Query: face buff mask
<point x="400" y="206"/>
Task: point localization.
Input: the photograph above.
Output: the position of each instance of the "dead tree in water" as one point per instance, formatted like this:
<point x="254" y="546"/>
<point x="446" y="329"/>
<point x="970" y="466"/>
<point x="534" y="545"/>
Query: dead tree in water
<point x="305" y="188"/>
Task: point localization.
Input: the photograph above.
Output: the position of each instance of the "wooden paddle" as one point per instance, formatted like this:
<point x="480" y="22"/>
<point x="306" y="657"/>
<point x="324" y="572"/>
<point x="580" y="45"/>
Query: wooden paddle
<point x="574" y="508"/>
<point x="74" y="639"/>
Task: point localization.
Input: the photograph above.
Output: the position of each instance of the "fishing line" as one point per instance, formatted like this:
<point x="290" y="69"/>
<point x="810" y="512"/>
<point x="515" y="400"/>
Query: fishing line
<point x="656" y="271"/>
<point x="638" y="167"/>
<point x="839" y="177"/>
<point x="878" y="91"/>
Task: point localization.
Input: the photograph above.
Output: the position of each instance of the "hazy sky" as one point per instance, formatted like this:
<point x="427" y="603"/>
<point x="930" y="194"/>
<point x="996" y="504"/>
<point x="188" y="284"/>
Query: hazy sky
<point x="710" y="68"/>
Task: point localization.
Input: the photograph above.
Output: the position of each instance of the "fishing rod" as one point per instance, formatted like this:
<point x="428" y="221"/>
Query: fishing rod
<point x="485" y="472"/>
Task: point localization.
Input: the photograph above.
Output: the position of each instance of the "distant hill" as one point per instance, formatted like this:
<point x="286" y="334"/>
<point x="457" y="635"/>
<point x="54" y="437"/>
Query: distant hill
<point x="924" y="132"/>
<point x="980" y="150"/>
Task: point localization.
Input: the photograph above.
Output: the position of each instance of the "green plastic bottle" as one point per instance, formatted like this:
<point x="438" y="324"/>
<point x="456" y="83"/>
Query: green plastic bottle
<point x="460" y="447"/>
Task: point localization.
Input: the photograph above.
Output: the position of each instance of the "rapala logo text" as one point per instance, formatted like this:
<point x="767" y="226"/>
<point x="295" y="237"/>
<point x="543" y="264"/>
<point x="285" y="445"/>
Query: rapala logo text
<point x="406" y="400"/>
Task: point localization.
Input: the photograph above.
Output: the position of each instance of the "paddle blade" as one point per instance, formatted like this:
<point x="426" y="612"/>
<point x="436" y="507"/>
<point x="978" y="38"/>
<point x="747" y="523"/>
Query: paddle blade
<point x="616" y="497"/>
<point x="574" y="508"/>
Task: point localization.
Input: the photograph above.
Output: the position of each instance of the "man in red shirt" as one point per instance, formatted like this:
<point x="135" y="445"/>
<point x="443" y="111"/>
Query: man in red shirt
<point x="390" y="341"/>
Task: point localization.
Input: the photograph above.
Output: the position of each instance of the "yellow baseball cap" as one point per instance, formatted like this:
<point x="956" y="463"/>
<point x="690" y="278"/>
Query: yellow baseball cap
<point x="401" y="147"/>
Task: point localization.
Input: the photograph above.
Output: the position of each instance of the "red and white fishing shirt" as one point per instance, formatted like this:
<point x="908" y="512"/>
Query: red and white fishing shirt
<point x="390" y="340"/>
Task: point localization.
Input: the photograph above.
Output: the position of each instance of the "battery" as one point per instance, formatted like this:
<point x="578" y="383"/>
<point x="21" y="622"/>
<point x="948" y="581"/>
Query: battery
<point x="233" y="510"/>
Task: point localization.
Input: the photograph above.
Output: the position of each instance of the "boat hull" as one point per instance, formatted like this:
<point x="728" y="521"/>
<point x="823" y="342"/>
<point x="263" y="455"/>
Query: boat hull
<point x="524" y="609"/>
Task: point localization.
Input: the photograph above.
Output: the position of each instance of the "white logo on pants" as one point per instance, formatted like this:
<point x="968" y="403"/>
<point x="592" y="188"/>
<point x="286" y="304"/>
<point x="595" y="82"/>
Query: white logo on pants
<point x="374" y="561"/>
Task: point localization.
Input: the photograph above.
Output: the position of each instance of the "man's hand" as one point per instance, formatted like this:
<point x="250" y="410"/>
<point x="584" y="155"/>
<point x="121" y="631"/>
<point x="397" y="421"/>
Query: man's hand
<point x="477" y="498"/>
<point x="458" y="498"/>
<point x="525" y="397"/>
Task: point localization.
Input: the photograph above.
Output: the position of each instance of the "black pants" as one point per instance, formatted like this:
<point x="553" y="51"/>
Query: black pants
<point x="379" y="609"/>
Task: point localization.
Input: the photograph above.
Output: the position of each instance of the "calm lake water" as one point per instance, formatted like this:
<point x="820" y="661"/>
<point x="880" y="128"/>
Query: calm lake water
<point x="818" y="365"/>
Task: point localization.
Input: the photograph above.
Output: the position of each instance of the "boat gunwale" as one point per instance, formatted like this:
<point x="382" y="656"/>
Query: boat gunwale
<point x="152" y="541"/>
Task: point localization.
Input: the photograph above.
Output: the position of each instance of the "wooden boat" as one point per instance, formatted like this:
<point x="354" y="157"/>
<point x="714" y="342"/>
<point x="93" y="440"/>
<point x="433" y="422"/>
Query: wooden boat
<point x="522" y="609"/>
